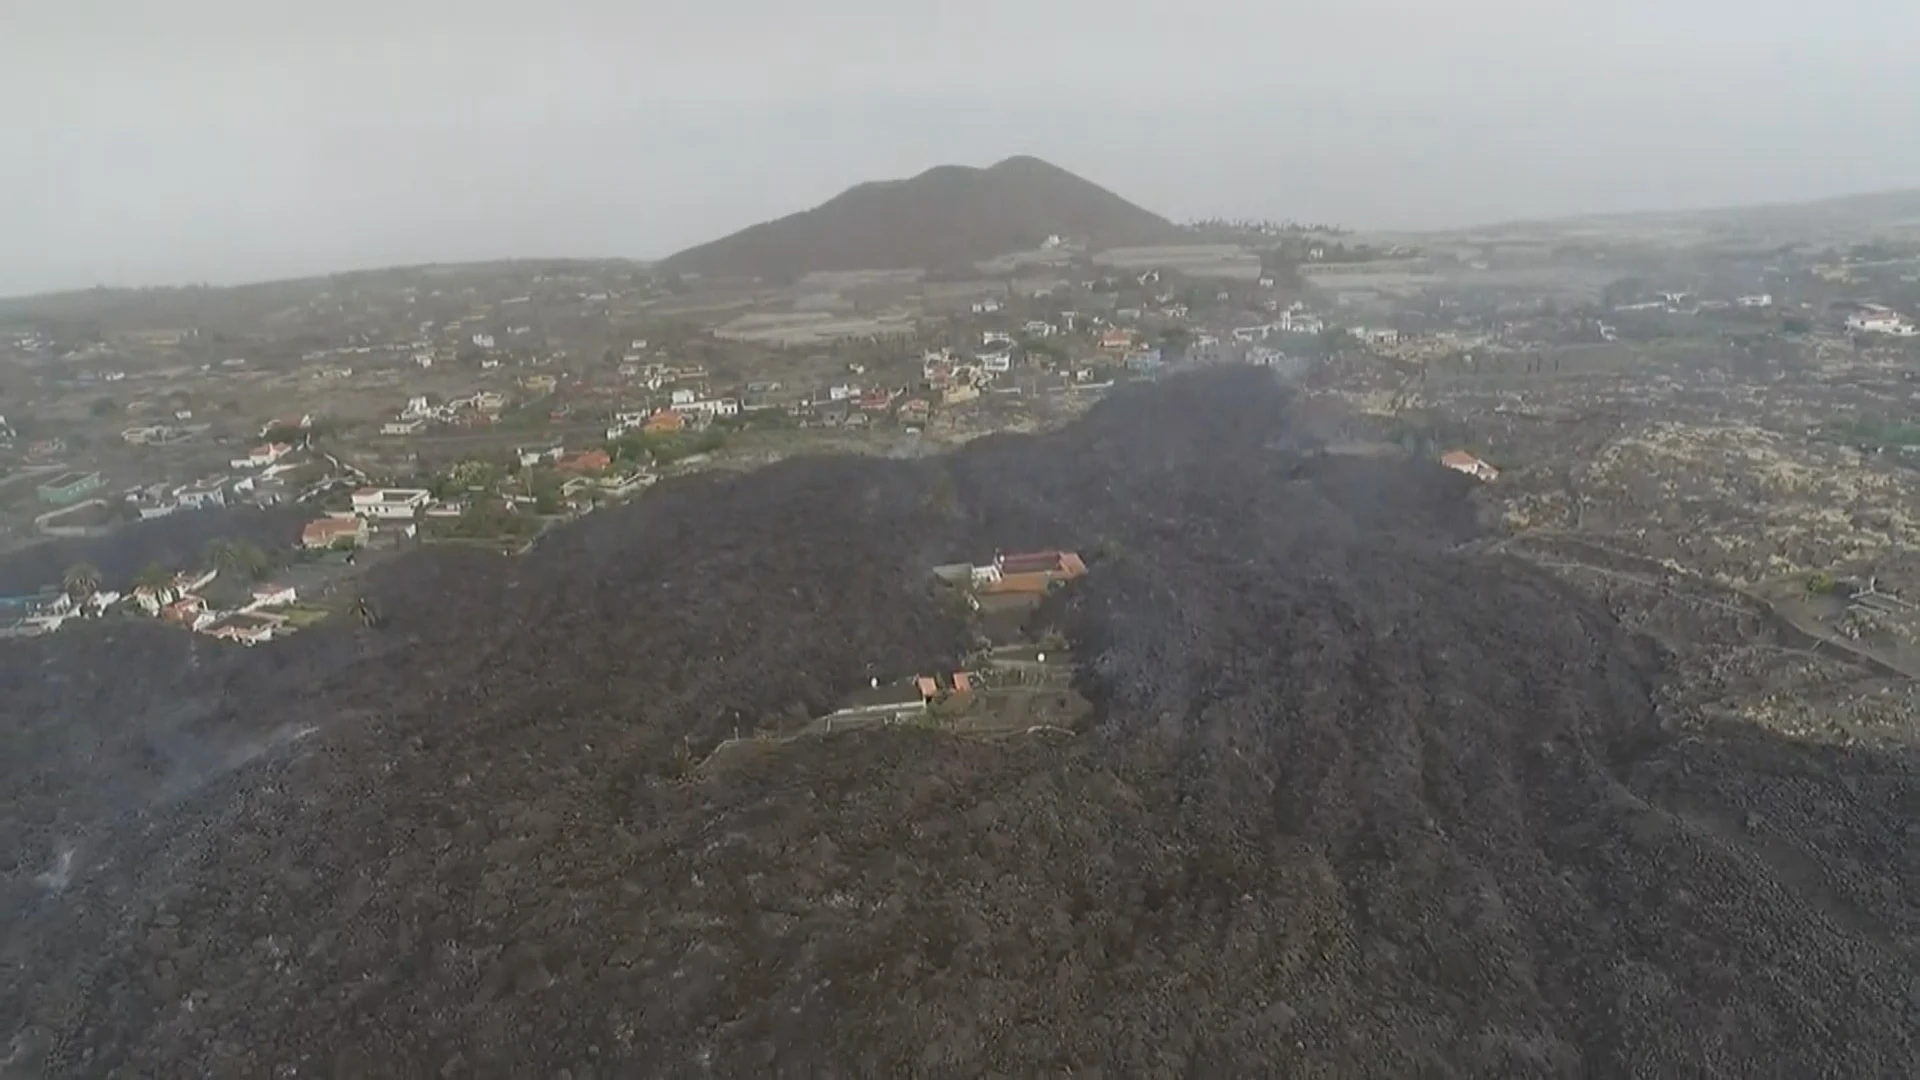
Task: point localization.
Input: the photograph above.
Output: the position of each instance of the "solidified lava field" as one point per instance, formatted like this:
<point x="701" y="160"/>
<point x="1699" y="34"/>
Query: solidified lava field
<point x="1354" y="802"/>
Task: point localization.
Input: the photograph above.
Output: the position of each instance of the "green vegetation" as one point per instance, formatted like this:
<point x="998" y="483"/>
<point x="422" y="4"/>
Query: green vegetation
<point x="1872" y="434"/>
<point x="1821" y="584"/>
<point x="486" y="519"/>
<point x="238" y="558"/>
<point x="665" y="449"/>
<point x="757" y="420"/>
<point x="303" y="615"/>
<point x="473" y="474"/>
<point x="1044" y="348"/>
<point x="154" y="576"/>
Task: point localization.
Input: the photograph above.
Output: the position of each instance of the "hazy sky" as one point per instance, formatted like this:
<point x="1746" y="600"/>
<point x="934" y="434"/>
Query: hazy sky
<point x="223" y="140"/>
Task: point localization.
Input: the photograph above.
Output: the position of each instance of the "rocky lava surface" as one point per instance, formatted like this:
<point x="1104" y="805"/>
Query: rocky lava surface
<point x="1354" y="803"/>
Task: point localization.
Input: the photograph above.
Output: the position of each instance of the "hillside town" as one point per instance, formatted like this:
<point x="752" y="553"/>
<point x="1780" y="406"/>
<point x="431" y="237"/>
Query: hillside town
<point x="484" y="405"/>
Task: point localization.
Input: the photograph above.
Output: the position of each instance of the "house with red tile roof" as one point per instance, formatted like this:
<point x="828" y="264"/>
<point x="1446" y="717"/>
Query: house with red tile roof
<point x="1461" y="461"/>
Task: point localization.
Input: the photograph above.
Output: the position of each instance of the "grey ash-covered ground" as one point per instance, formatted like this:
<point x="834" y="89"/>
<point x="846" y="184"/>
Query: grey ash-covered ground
<point x="1355" y="803"/>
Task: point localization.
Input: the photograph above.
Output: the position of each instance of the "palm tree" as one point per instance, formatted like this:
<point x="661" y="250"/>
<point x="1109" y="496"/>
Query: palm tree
<point x="251" y="560"/>
<point x="222" y="555"/>
<point x="82" y="580"/>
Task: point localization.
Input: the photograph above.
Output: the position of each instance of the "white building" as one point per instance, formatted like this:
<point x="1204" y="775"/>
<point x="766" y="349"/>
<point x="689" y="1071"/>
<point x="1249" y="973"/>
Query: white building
<point x="1760" y="300"/>
<point x="991" y="338"/>
<point x="262" y="456"/>
<point x="682" y="398"/>
<point x="710" y="407"/>
<point x="483" y="341"/>
<point x="1881" y="321"/>
<point x="272" y="596"/>
<point x="390" y="503"/>
<point x="985" y="307"/>
<point x="530" y="458"/>
<point x="416" y="406"/>
<point x="997" y="362"/>
<point x="202" y="496"/>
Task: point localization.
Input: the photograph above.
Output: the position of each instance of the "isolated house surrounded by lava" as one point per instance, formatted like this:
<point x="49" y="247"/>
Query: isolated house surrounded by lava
<point x="1461" y="461"/>
<point x="1032" y="573"/>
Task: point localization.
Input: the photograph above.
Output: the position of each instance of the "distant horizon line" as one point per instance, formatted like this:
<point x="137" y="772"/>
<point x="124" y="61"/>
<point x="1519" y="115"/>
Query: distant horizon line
<point x="646" y="261"/>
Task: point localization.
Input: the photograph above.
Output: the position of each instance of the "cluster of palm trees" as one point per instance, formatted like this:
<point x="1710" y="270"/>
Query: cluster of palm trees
<point x="82" y="580"/>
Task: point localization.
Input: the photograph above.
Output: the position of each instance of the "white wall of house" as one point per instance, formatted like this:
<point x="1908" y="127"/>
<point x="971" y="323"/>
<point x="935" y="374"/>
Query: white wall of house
<point x="390" y="503"/>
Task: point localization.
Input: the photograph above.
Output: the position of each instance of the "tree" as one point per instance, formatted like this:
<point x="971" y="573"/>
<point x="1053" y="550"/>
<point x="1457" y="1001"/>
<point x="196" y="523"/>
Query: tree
<point x="155" y="577"/>
<point x="252" y="561"/>
<point x="82" y="580"/>
<point x="237" y="557"/>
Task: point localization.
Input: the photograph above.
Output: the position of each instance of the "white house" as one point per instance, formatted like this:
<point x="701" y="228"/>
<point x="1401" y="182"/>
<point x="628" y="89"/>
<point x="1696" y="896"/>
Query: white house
<point x="1759" y="300"/>
<point x="403" y="427"/>
<point x="991" y="338"/>
<point x="272" y="596"/>
<point x="710" y="407"/>
<point x="681" y="398"/>
<point x="202" y="496"/>
<point x="997" y="362"/>
<point x="1881" y="321"/>
<point x="483" y="341"/>
<point x="390" y="503"/>
<point x="261" y="456"/>
<point x="842" y="392"/>
<point x="985" y="307"/>
<point x="416" y="406"/>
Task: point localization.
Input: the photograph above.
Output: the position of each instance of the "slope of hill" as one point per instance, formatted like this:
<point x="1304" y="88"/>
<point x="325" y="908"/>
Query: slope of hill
<point x="946" y="217"/>
<point x="1353" y="802"/>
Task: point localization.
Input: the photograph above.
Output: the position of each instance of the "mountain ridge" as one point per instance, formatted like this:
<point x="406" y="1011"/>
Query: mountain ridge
<point x="945" y="216"/>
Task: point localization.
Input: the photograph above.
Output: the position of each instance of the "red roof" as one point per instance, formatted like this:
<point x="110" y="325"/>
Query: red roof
<point x="1030" y="562"/>
<point x="588" y="461"/>
<point x="326" y="530"/>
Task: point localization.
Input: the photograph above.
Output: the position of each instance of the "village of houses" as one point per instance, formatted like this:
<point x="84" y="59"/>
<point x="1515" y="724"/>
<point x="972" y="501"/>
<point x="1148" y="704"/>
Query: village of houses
<point x="660" y="415"/>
